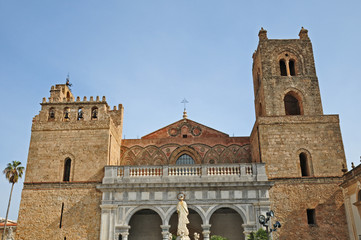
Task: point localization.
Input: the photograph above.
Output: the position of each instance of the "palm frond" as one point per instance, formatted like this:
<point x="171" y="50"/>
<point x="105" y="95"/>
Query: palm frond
<point x="13" y="171"/>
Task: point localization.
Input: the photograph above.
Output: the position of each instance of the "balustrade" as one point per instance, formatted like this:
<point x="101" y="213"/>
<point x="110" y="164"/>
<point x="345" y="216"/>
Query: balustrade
<point x="180" y="170"/>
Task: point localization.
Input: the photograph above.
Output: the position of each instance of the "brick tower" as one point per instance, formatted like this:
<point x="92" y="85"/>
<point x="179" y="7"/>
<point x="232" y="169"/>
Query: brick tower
<point x="71" y="142"/>
<point x="302" y="147"/>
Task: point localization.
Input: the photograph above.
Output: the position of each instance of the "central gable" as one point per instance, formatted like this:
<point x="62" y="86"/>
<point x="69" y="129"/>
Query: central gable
<point x="185" y="128"/>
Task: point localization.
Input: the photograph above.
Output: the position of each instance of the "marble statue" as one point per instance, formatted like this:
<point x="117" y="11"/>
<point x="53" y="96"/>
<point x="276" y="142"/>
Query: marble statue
<point x="10" y="234"/>
<point x="182" y="210"/>
<point x="196" y="236"/>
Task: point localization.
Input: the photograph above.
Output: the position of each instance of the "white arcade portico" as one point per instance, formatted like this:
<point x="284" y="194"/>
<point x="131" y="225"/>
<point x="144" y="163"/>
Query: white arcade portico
<point x="141" y="201"/>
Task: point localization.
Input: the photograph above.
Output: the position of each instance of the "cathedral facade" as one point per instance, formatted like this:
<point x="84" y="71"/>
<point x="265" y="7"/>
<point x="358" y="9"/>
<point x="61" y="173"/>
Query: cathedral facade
<point x="83" y="181"/>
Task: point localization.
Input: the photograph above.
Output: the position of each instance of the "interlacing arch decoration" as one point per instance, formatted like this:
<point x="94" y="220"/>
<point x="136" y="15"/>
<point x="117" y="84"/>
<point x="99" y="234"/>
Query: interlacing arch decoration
<point x="200" y="153"/>
<point x="230" y="154"/>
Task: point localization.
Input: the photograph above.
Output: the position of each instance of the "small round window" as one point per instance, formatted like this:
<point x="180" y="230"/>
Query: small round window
<point x="184" y="160"/>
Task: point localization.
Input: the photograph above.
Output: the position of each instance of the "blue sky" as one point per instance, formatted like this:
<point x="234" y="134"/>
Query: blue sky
<point x="149" y="55"/>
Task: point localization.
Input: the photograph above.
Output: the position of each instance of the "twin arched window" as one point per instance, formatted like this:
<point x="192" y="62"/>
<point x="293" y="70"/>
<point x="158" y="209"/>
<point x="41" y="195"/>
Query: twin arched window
<point x="287" y="65"/>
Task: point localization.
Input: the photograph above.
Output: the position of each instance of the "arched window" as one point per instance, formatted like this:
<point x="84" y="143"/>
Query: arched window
<point x="291" y="65"/>
<point x="260" y="110"/>
<point x="283" y="68"/>
<point x="288" y="66"/>
<point x="304" y="164"/>
<point x="292" y="105"/>
<point x="51" y="114"/>
<point x="66" y="113"/>
<point x="94" y="113"/>
<point x="68" y="96"/>
<point x="185" y="159"/>
<point x="67" y="167"/>
<point x="80" y="114"/>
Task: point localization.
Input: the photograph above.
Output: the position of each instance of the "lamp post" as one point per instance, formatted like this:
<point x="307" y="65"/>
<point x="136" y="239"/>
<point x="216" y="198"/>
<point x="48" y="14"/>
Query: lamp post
<point x="265" y="219"/>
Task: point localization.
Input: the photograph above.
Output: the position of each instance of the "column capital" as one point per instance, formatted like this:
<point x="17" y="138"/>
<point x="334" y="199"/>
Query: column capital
<point x="206" y="231"/>
<point x="165" y="231"/>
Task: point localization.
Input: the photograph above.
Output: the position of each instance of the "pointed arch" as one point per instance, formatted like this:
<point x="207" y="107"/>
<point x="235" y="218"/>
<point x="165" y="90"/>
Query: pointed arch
<point x="211" y="157"/>
<point x="293" y="103"/>
<point x="185" y="150"/>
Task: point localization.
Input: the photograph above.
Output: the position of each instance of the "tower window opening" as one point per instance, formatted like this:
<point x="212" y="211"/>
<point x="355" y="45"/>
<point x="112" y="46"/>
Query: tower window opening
<point x="67" y="167"/>
<point x="68" y="96"/>
<point x="305" y="170"/>
<point x="291" y="65"/>
<point x="311" y="217"/>
<point x="94" y="113"/>
<point x="80" y="114"/>
<point x="185" y="136"/>
<point x="260" y="110"/>
<point x="184" y="160"/>
<point x="51" y="113"/>
<point x="283" y="68"/>
<point x="292" y="106"/>
<point x="66" y="113"/>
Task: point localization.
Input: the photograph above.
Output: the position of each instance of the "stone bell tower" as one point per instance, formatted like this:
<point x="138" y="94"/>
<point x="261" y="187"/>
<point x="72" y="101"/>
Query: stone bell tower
<point x="72" y="140"/>
<point x="302" y="147"/>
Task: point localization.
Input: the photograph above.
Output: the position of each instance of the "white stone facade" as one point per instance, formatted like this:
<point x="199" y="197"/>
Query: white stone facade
<point x="129" y="189"/>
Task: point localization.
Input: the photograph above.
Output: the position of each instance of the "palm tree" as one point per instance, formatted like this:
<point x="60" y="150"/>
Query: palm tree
<point x="12" y="173"/>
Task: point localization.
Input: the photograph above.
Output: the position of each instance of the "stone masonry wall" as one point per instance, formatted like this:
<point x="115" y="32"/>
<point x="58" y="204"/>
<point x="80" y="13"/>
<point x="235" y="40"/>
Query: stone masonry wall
<point x="87" y="149"/>
<point x="282" y="139"/>
<point x="290" y="200"/>
<point x="40" y="211"/>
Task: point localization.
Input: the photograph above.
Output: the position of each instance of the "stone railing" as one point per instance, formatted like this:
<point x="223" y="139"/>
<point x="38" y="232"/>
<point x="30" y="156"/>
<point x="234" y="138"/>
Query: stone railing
<point x="244" y="170"/>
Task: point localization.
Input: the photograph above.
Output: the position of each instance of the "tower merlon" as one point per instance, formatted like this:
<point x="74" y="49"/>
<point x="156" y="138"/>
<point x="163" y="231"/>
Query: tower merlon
<point x="303" y="34"/>
<point x="262" y="34"/>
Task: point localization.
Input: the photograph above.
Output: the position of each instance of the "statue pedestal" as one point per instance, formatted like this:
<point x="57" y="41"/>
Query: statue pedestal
<point x="183" y="238"/>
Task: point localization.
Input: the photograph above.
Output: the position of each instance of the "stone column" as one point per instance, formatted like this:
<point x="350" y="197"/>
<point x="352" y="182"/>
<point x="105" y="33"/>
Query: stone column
<point x="124" y="231"/>
<point x="165" y="231"/>
<point x="206" y="231"/>
<point x="248" y="228"/>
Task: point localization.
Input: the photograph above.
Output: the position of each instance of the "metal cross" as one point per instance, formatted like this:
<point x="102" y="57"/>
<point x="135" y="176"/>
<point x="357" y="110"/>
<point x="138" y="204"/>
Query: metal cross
<point x="184" y="102"/>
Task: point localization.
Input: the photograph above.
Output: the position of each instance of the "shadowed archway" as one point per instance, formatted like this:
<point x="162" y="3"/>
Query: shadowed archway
<point x="227" y="223"/>
<point x="145" y="224"/>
